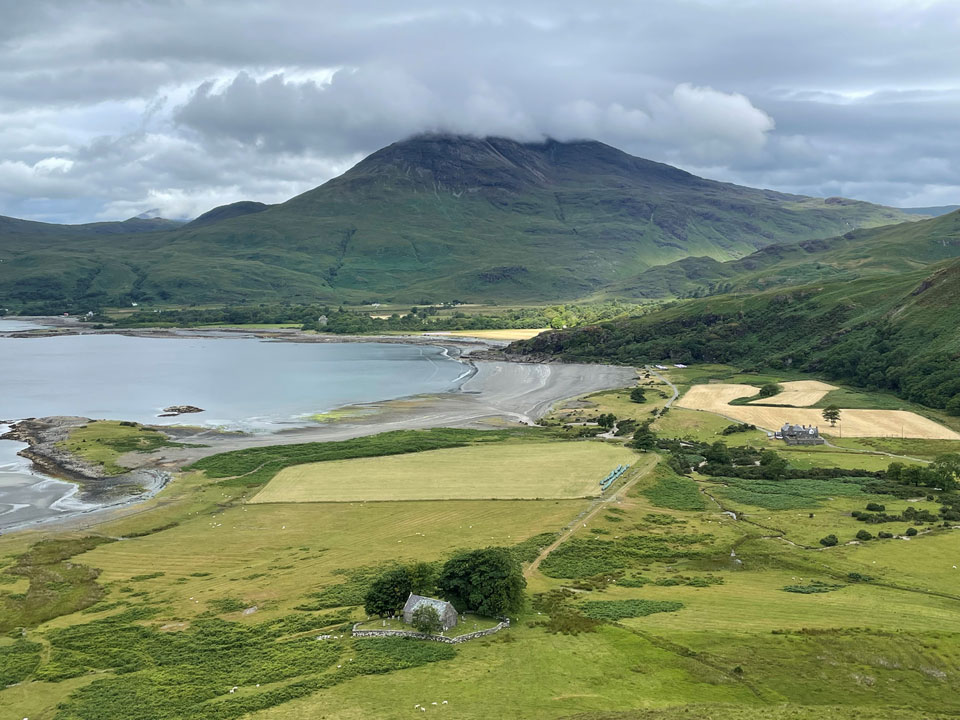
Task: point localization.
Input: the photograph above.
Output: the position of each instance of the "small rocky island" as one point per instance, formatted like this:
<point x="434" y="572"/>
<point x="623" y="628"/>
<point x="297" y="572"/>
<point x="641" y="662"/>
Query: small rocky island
<point x="175" y="410"/>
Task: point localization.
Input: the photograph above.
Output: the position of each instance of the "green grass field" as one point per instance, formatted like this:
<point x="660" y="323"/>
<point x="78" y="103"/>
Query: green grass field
<point x="206" y="591"/>
<point x="103" y="442"/>
<point x="507" y="471"/>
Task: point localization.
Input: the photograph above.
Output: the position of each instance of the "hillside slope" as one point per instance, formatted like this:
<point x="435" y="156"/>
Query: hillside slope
<point x="893" y="332"/>
<point x="860" y="253"/>
<point x="436" y="217"/>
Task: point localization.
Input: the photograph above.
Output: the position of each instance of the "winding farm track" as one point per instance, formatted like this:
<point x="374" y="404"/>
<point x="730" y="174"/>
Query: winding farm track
<point x="639" y="470"/>
<point x="648" y="463"/>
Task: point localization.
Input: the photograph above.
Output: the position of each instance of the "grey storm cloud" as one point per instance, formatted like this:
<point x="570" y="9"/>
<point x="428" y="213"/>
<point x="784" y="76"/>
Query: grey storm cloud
<point x="112" y="107"/>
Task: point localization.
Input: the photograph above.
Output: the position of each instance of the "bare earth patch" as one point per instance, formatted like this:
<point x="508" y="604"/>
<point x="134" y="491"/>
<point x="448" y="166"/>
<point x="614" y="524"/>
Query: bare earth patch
<point x="716" y="397"/>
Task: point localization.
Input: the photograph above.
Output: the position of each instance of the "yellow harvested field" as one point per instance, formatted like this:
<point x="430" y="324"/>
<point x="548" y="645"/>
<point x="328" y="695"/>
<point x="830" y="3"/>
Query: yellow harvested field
<point x="509" y="334"/>
<point x="496" y="471"/>
<point x="799" y="393"/>
<point x="715" y="398"/>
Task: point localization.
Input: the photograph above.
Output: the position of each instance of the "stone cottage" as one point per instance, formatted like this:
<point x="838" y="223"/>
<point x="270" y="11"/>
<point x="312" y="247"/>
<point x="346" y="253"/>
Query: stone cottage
<point x="446" y="611"/>
<point x="799" y="435"/>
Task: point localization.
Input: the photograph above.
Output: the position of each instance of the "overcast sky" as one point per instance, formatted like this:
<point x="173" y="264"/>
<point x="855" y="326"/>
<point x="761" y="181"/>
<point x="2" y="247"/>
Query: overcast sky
<point x="111" y="108"/>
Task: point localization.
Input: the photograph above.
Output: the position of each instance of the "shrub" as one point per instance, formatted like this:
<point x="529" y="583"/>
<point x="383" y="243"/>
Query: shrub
<point x="614" y="610"/>
<point x="829" y="540"/>
<point x="911" y="531"/>
<point x="876" y="507"/>
<point x="769" y="390"/>
<point x="637" y="396"/>
<point x="884" y="535"/>
<point x="863" y="535"/>
<point x="426" y="619"/>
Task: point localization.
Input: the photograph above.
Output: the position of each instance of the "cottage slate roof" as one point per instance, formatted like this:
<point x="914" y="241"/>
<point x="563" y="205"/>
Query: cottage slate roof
<point x="414" y="601"/>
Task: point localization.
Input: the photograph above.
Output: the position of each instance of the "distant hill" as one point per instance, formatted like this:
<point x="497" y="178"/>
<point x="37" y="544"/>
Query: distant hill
<point x="890" y="249"/>
<point x="432" y="218"/>
<point x="932" y="211"/>
<point x="225" y="212"/>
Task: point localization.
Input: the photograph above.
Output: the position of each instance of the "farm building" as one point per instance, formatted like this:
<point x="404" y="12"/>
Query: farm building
<point x="446" y="611"/>
<point x="799" y="435"/>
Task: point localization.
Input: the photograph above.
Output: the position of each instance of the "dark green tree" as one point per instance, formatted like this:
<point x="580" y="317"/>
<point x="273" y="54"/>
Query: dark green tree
<point x="769" y="390"/>
<point x="831" y="414"/>
<point x="637" y="396"/>
<point x="911" y="531"/>
<point x="423" y="578"/>
<point x="426" y="619"/>
<point x="487" y="582"/>
<point x="644" y="438"/>
<point x="829" y="540"/>
<point x="388" y="593"/>
<point x="718" y="453"/>
<point x="863" y="535"/>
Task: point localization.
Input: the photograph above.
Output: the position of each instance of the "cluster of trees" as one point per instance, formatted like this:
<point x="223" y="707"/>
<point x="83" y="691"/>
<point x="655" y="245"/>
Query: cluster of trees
<point x="942" y="473"/>
<point x="342" y="321"/>
<point x="487" y="582"/>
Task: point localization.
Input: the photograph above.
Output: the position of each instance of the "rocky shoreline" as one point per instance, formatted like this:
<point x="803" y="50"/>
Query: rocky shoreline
<point x="43" y="437"/>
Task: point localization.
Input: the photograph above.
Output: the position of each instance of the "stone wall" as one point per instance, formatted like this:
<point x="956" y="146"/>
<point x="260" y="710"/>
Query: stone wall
<point x="505" y="623"/>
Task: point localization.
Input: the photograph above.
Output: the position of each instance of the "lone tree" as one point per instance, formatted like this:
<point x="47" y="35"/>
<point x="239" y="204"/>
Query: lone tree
<point x="426" y="619"/>
<point x="388" y="593"/>
<point x="637" y="396"/>
<point x="769" y="390"/>
<point x="832" y="414"/>
<point x="488" y="582"/>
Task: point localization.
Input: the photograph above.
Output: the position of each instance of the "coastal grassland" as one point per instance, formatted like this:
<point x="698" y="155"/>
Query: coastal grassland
<point x="102" y="442"/>
<point x="174" y="630"/>
<point x="586" y="408"/>
<point x="256" y="466"/>
<point x="279" y="556"/>
<point x="706" y="427"/>
<point x="490" y="471"/>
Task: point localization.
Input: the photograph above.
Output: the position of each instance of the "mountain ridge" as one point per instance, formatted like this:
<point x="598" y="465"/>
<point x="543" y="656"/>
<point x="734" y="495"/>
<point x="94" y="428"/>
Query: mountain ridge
<point x="432" y="218"/>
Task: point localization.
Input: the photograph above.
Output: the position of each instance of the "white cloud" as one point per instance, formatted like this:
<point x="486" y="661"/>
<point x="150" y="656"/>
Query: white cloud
<point x="110" y="106"/>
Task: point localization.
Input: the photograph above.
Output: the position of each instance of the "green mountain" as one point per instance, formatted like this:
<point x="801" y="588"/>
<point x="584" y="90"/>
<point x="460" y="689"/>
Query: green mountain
<point x="898" y="248"/>
<point x="894" y="330"/>
<point x="432" y="218"/>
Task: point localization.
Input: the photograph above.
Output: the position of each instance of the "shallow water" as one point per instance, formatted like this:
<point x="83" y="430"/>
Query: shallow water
<point x="240" y="382"/>
<point x="26" y="496"/>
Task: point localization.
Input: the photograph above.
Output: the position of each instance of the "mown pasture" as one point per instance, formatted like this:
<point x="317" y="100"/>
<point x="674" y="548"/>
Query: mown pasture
<point x="483" y="472"/>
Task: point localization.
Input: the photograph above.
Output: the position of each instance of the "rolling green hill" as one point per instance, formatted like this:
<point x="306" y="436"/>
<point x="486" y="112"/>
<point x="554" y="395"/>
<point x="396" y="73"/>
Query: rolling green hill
<point x="895" y="332"/>
<point x="861" y="253"/>
<point x="432" y="218"/>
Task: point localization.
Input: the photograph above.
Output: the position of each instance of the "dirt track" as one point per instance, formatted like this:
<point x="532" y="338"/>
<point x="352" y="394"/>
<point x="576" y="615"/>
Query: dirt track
<point x="715" y="398"/>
